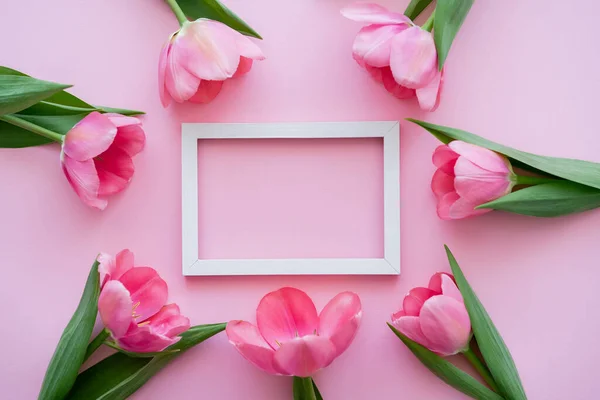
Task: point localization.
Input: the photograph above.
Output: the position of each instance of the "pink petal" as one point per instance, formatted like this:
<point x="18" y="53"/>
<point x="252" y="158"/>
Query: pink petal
<point x="89" y="137"/>
<point x="207" y="49"/>
<point x="442" y="283"/>
<point x="340" y="319"/>
<point x="415" y="299"/>
<point x="397" y="315"/>
<point x="446" y="324"/>
<point x="244" y="67"/>
<point x="147" y="289"/>
<point x="131" y="139"/>
<point x="410" y="326"/>
<point x="413" y="58"/>
<point x="247" y="48"/>
<point x="285" y="314"/>
<point x="482" y="157"/>
<point x="442" y="183"/>
<point x="429" y="95"/>
<point x="114" y="267"/>
<point x="303" y="356"/>
<point x="373" y="14"/>
<point x="165" y="99"/>
<point x="115" y="170"/>
<point x="144" y="340"/>
<point x="445" y="203"/>
<point x="376" y="73"/>
<point x="207" y="91"/>
<point x="169" y="321"/>
<point x="373" y="43"/>
<point x="180" y="83"/>
<point x="83" y="178"/>
<point x="477" y="185"/>
<point x="115" y="307"/>
<point x="391" y="86"/>
<point x="445" y="158"/>
<point x="464" y="209"/>
<point x="248" y="341"/>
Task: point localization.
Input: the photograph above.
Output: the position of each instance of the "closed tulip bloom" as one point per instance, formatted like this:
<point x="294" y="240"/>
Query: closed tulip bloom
<point x="199" y="57"/>
<point x="435" y="316"/>
<point x="290" y="338"/>
<point x="97" y="153"/>
<point x="468" y="176"/>
<point x="132" y="306"/>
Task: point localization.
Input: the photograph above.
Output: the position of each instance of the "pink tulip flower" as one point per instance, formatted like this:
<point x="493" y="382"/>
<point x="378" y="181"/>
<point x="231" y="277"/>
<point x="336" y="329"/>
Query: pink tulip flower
<point x="468" y="176"/>
<point x="397" y="53"/>
<point x="290" y="338"/>
<point x="435" y="316"/>
<point x="97" y="155"/>
<point x="132" y="306"/>
<point x="199" y="57"/>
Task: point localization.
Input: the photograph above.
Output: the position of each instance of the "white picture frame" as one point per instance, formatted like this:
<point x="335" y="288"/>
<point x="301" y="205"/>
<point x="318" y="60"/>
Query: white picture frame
<point x="388" y="265"/>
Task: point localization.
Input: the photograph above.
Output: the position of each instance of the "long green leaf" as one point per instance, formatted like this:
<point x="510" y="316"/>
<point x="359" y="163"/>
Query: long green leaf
<point x="70" y="351"/>
<point x="548" y="200"/>
<point x="449" y="17"/>
<point x="447" y="371"/>
<point x="416" y="7"/>
<point x="119" y="376"/>
<point x="584" y="172"/>
<point x="20" y="92"/>
<point x="213" y="9"/>
<point x="12" y="136"/>
<point x="492" y="347"/>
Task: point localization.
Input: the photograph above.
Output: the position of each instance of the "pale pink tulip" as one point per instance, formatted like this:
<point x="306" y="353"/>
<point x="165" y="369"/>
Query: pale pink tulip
<point x="290" y="338"/>
<point x="199" y="57"/>
<point x="397" y="53"/>
<point x="435" y="316"/>
<point x="97" y="153"/>
<point x="132" y="306"/>
<point x="468" y="176"/>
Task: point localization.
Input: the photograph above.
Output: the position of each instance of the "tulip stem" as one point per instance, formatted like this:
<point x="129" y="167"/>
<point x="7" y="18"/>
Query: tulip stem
<point x="428" y="25"/>
<point x="96" y="343"/>
<point x="21" y="123"/>
<point x="304" y="388"/>
<point x="179" y="14"/>
<point x="481" y="368"/>
<point x="533" y="180"/>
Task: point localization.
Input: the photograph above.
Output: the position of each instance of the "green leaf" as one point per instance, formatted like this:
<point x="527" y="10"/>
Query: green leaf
<point x="548" y="200"/>
<point x="447" y="371"/>
<point x="306" y="389"/>
<point x="20" y="92"/>
<point x="119" y="376"/>
<point x="213" y="9"/>
<point x="12" y="136"/>
<point x="449" y="16"/>
<point x="492" y="347"/>
<point x="70" y="351"/>
<point x="415" y="8"/>
<point x="122" y="111"/>
<point x="584" y="172"/>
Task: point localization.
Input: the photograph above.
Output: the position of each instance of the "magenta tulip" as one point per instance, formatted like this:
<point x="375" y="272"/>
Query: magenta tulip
<point x="435" y="316"/>
<point x="97" y="155"/>
<point x="468" y="176"/>
<point x="397" y="53"/>
<point x="132" y="306"/>
<point x="199" y="57"/>
<point x="290" y="338"/>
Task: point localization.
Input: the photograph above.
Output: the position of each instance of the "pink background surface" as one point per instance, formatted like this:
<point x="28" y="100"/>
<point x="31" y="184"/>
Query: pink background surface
<point x="521" y="72"/>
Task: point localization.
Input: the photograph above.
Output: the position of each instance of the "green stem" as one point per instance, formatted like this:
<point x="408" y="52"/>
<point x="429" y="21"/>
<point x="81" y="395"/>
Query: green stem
<point x="532" y="180"/>
<point x="481" y="368"/>
<point x="308" y="390"/>
<point x="21" y="123"/>
<point x="428" y="25"/>
<point x="177" y="11"/>
<point x="96" y="343"/>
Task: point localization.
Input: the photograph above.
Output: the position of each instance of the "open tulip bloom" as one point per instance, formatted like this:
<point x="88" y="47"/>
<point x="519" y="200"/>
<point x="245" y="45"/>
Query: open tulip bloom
<point x="290" y="338"/>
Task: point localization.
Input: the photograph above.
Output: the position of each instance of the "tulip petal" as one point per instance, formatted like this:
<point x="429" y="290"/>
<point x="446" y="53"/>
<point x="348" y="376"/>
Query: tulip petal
<point x="165" y="99"/>
<point x="442" y="183"/>
<point x="143" y="339"/>
<point x="373" y="14"/>
<point x="446" y="324"/>
<point x="415" y="299"/>
<point x="83" y="178"/>
<point x="131" y="139"/>
<point x="115" y="170"/>
<point x="244" y="67"/>
<point x="442" y="283"/>
<point x="464" y="209"/>
<point x="480" y="156"/>
<point x="340" y="319"/>
<point x="247" y="48"/>
<point x="445" y="158"/>
<point x="247" y="340"/>
<point x="413" y="58"/>
<point x="392" y="86"/>
<point x="478" y="186"/>
<point x="303" y="356"/>
<point x="376" y="73"/>
<point x="169" y="322"/>
<point x="148" y="289"/>
<point x="410" y="326"/>
<point x="444" y="204"/>
<point x="207" y="91"/>
<point x="114" y="267"/>
<point x="285" y="314"/>
<point x="373" y="43"/>
<point x="89" y="137"/>
<point x="180" y="83"/>
<point x="115" y="307"/>
<point x="429" y="95"/>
